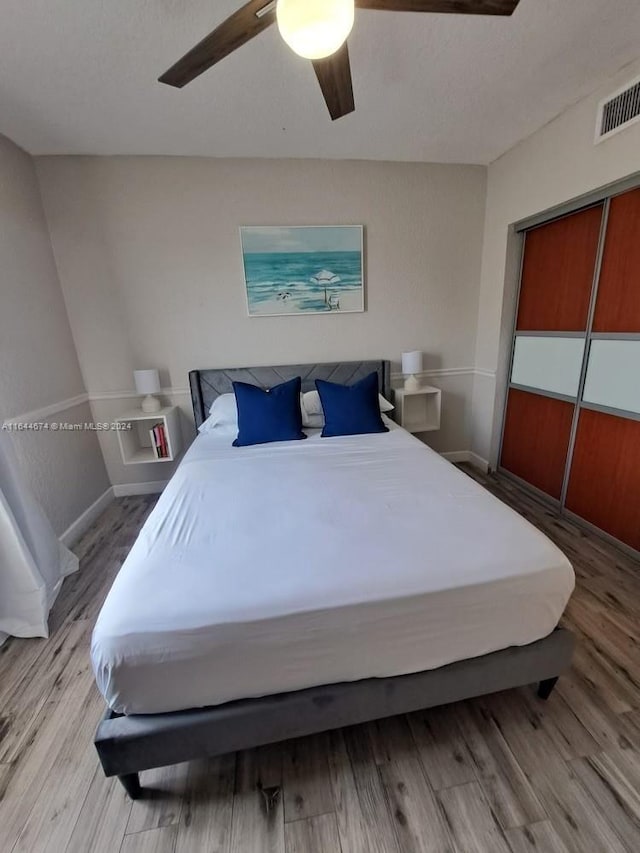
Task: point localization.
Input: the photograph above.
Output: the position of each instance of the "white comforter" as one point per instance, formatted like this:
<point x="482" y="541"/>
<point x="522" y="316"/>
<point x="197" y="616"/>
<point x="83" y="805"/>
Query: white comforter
<point x="282" y="566"/>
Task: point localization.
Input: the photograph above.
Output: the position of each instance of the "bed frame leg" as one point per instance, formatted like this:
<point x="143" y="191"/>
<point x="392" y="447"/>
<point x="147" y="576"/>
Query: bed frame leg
<point x="546" y="687"/>
<point x="131" y="783"/>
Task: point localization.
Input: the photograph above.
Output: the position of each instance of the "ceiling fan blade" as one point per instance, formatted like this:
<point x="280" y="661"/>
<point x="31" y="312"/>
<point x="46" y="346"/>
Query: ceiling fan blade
<point x="456" y="7"/>
<point x="238" y="29"/>
<point x="334" y="76"/>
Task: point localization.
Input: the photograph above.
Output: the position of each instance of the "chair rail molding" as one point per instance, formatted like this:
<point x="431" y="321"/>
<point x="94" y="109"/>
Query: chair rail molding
<point x="45" y="412"/>
<point x="448" y="371"/>
<point x="130" y="395"/>
<point x="36" y="415"/>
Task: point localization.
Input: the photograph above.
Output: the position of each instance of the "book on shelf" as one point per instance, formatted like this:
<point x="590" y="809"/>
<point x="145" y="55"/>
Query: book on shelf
<point x="159" y="443"/>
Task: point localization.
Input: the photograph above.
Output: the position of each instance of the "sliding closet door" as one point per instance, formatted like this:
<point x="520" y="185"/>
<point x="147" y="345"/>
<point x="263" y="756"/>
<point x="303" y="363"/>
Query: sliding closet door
<point x="604" y="481"/>
<point x="604" y="485"/>
<point x="618" y="304"/>
<point x="536" y="439"/>
<point x="558" y="271"/>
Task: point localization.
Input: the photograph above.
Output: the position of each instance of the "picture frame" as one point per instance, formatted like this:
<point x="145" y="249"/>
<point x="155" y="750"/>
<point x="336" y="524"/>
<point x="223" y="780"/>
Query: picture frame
<point x="293" y="270"/>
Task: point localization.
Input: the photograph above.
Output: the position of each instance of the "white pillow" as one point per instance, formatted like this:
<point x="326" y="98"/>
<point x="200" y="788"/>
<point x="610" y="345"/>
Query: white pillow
<point x="223" y="415"/>
<point x="312" y="421"/>
<point x="385" y="405"/>
<point x="311" y="405"/>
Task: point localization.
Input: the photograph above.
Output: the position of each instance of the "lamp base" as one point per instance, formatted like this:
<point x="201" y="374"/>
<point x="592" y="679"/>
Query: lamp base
<point x="412" y="383"/>
<point x="150" y="404"/>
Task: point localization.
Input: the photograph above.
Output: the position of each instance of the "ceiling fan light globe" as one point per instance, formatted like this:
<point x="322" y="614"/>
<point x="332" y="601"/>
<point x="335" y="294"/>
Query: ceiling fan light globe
<point x="315" y="29"/>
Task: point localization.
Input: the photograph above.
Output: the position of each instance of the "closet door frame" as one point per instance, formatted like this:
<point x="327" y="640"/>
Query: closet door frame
<point x="599" y="197"/>
<point x="587" y="349"/>
<point x="521" y="233"/>
<point x="580" y="335"/>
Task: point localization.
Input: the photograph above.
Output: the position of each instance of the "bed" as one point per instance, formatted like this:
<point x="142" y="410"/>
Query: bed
<point x="289" y="588"/>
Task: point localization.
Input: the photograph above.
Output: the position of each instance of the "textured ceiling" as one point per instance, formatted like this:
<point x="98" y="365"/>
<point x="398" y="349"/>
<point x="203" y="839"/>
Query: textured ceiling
<point x="79" y="77"/>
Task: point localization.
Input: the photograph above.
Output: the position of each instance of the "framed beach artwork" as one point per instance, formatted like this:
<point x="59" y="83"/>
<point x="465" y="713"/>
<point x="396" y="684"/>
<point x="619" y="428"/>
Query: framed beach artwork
<point x="300" y="269"/>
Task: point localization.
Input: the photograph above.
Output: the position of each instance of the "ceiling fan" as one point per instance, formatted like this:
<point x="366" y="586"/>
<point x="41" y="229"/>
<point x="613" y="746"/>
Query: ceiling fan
<point x="316" y="30"/>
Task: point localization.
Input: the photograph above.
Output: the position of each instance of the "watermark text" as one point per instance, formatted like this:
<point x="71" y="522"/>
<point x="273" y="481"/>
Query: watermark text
<point x="63" y="426"/>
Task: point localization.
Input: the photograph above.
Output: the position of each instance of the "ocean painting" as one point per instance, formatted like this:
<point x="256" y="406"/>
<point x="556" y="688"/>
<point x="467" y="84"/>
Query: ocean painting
<point x="303" y="269"/>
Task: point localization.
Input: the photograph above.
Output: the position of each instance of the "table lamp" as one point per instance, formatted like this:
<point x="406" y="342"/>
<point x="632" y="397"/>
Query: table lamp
<point x="411" y="364"/>
<point x="148" y="383"/>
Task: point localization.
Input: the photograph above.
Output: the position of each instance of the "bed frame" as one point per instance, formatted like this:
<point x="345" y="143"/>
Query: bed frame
<point x="127" y="745"/>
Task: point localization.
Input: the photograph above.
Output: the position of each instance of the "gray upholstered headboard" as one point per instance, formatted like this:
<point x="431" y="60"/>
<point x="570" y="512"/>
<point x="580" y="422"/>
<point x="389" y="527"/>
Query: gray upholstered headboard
<point x="206" y="385"/>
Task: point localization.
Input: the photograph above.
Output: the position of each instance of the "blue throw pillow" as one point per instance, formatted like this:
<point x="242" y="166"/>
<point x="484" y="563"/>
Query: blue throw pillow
<point x="351" y="409"/>
<point x="272" y="415"/>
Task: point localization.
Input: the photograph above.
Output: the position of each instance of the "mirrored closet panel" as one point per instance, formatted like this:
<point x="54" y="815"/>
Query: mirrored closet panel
<point x="572" y="420"/>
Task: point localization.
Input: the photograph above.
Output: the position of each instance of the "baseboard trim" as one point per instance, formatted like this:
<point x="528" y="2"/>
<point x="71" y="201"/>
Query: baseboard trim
<point x="456" y="455"/>
<point x="84" y="521"/>
<point x="479" y="462"/>
<point x="467" y="456"/>
<point x="124" y="490"/>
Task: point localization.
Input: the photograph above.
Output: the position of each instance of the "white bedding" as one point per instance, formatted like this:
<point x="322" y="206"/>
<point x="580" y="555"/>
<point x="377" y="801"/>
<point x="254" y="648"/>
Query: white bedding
<point x="282" y="566"/>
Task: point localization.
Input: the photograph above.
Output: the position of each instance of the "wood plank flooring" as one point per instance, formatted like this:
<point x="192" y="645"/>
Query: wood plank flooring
<point x="507" y="773"/>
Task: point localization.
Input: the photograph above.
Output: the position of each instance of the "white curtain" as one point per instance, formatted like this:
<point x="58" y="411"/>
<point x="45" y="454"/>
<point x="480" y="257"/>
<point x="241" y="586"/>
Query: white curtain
<point x="33" y="562"/>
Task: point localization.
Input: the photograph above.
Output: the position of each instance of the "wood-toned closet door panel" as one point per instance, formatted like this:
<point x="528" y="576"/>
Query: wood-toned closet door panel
<point x="618" y="302"/>
<point x="557" y="273"/>
<point x="536" y="439"/>
<point x="604" y="485"/>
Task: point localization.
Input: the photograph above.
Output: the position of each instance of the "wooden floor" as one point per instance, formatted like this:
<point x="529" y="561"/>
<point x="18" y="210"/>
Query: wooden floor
<point x="503" y="774"/>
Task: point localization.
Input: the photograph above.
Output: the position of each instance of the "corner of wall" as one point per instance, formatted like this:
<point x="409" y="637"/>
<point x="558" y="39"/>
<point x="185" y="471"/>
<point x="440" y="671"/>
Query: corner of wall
<point x="45" y="378"/>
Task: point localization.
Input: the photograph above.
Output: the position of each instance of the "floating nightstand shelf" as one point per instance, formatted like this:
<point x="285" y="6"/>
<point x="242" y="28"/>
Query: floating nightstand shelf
<point x="418" y="411"/>
<point x="136" y="446"/>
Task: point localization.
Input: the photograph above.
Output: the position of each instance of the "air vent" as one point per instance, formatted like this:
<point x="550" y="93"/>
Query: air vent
<point x="618" y="111"/>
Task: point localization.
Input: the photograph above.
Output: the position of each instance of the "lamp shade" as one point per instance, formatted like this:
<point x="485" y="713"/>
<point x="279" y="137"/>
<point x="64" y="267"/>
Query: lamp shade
<point x="147" y="381"/>
<point x="412" y="362"/>
<point x="315" y="28"/>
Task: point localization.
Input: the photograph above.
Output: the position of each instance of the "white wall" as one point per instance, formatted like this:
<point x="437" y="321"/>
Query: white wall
<point x="148" y="254"/>
<point x="554" y="165"/>
<point x="39" y="365"/>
